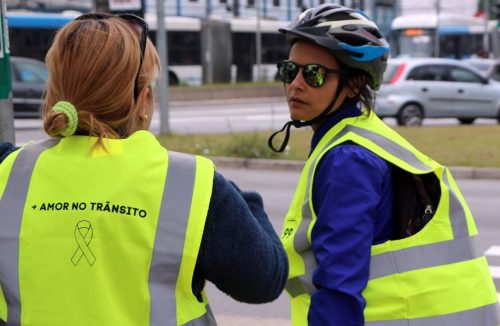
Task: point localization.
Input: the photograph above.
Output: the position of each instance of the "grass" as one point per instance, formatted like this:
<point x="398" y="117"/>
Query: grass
<point x="474" y="145"/>
<point x="230" y="85"/>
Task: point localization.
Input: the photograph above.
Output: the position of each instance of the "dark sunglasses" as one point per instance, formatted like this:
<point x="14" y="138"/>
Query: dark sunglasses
<point x="314" y="74"/>
<point x="138" y="24"/>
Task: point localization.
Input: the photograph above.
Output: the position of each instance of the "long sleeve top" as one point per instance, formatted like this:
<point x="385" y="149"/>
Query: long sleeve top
<point x="240" y="252"/>
<point x="352" y="197"/>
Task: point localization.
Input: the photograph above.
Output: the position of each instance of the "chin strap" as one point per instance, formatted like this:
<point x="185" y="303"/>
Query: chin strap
<point x="299" y="124"/>
<point x="287" y="126"/>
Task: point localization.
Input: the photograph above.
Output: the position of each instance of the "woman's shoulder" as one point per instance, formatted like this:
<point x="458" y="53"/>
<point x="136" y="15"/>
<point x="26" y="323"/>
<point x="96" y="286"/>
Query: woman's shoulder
<point x="351" y="156"/>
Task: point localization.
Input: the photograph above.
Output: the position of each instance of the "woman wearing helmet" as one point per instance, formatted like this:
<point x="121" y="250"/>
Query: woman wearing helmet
<point x="364" y="233"/>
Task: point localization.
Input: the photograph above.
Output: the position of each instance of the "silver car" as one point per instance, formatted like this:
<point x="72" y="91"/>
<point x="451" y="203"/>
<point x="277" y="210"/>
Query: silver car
<point x="29" y="77"/>
<point x="418" y="88"/>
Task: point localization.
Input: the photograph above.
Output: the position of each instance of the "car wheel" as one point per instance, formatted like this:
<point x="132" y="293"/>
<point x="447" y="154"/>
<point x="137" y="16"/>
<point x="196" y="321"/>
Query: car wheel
<point x="410" y="115"/>
<point x="172" y="79"/>
<point x="466" y="121"/>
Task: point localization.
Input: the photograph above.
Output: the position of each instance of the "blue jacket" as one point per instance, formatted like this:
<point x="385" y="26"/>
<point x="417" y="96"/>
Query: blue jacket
<point x="240" y="252"/>
<point x="352" y="197"/>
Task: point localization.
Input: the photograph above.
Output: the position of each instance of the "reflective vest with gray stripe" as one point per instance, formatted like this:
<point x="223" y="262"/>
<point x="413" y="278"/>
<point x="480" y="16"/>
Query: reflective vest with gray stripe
<point x="166" y="256"/>
<point x="438" y="276"/>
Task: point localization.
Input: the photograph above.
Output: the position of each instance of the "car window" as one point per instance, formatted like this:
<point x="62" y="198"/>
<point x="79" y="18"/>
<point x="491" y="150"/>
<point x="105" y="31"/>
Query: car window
<point x="32" y="73"/>
<point x="459" y="74"/>
<point x="428" y="73"/>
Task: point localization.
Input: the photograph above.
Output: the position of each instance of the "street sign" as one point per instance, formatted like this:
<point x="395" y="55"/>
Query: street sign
<point x="6" y="112"/>
<point x="5" y="78"/>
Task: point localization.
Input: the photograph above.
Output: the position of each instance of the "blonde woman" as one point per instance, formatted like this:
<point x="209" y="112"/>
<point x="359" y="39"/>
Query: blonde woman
<point x="100" y="225"/>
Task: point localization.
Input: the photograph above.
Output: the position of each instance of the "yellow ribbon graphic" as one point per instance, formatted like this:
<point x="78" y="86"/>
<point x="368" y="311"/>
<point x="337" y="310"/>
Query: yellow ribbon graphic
<point x="83" y="236"/>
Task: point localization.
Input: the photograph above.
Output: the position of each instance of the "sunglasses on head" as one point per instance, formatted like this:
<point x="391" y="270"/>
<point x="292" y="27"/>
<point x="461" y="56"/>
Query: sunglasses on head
<point x="313" y="74"/>
<point x="138" y="24"/>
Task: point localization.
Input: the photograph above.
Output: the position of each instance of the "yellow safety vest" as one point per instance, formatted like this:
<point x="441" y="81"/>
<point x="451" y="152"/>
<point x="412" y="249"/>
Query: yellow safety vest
<point x="439" y="276"/>
<point x="102" y="237"/>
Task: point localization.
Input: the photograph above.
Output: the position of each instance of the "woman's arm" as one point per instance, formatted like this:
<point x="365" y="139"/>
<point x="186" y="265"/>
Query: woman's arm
<point x="6" y="149"/>
<point x="352" y="196"/>
<point x="240" y="252"/>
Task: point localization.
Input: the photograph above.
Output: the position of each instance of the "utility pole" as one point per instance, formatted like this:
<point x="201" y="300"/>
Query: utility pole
<point x="486" y="35"/>
<point x="6" y="111"/>
<point x="101" y="6"/>
<point x="436" y="32"/>
<point x="208" y="9"/>
<point x="258" y="42"/>
<point x="236" y="8"/>
<point x="161" y="46"/>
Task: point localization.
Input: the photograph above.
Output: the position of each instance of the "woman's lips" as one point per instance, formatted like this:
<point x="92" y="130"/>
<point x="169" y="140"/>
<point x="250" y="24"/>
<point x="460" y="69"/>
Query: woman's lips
<point x="296" y="100"/>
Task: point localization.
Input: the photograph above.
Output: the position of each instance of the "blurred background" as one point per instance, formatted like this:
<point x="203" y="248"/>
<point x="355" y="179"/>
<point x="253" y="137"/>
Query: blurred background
<point x="242" y="34"/>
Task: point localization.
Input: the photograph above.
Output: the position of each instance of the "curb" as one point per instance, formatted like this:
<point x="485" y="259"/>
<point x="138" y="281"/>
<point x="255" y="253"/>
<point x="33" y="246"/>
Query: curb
<point x="459" y="172"/>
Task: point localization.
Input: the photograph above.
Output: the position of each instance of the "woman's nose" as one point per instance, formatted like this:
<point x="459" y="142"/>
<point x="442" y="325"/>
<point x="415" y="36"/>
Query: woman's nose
<point x="299" y="79"/>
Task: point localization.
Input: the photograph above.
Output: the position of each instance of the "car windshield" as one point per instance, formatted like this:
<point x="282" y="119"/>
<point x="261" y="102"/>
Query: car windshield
<point x="390" y="72"/>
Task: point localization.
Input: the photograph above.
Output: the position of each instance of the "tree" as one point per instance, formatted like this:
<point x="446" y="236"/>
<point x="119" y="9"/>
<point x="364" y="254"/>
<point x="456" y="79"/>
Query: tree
<point x="492" y="6"/>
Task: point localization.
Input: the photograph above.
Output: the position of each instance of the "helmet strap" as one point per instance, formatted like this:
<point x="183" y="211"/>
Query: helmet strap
<point x="298" y="124"/>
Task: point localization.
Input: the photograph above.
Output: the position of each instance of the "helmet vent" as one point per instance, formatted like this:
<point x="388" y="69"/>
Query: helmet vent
<point x="350" y="38"/>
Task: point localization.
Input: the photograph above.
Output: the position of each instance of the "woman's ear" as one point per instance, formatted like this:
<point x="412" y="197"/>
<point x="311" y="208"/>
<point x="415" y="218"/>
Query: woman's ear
<point x="354" y="85"/>
<point x="143" y="100"/>
<point x="143" y="95"/>
<point x="352" y="91"/>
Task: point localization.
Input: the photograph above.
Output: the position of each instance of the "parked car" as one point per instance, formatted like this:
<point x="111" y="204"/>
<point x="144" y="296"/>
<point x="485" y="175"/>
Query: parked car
<point x="490" y="68"/>
<point x="29" y="77"/>
<point x="418" y="88"/>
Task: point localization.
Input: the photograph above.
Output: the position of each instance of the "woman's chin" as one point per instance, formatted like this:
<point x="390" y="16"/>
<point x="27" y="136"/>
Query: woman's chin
<point x="298" y="115"/>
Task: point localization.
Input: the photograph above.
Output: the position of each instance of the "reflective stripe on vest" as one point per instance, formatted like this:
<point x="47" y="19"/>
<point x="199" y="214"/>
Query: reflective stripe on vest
<point x="303" y="284"/>
<point x="178" y="191"/>
<point x="12" y="207"/>
<point x="461" y="248"/>
<point x="174" y="211"/>
<point x="488" y="315"/>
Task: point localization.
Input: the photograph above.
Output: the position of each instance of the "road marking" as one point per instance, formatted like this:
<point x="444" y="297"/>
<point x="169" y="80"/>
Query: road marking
<point x="493" y="251"/>
<point x="495" y="271"/>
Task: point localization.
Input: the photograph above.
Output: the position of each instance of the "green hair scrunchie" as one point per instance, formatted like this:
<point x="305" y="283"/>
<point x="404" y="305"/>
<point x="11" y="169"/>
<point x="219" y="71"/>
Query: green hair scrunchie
<point x="70" y="111"/>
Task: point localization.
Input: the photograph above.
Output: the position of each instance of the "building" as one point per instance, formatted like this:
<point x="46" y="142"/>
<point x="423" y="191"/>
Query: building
<point x="463" y="7"/>
<point x="382" y="11"/>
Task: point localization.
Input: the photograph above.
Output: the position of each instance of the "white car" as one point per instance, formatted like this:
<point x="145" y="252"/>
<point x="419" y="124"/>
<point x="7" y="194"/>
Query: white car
<point x="418" y="88"/>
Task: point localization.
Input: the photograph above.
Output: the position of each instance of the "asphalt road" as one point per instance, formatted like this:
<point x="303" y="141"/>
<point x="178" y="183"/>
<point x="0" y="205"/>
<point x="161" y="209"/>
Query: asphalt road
<point x="277" y="187"/>
<point x="215" y="117"/>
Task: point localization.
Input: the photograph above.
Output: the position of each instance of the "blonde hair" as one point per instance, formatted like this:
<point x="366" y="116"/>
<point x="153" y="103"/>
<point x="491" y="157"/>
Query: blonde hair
<point x="93" y="65"/>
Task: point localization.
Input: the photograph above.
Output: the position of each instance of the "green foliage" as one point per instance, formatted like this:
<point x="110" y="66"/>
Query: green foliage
<point x="250" y="145"/>
<point x="475" y="145"/>
<point x="246" y="144"/>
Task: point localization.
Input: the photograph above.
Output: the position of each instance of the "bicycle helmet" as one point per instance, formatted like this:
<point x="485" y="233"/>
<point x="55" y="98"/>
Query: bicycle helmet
<point x="346" y="33"/>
